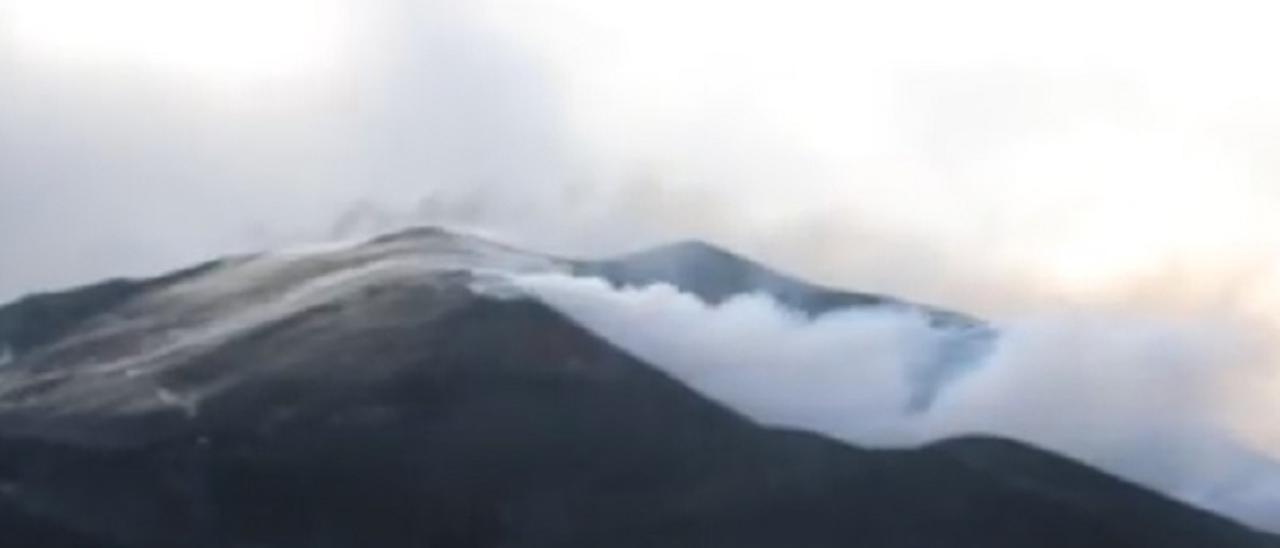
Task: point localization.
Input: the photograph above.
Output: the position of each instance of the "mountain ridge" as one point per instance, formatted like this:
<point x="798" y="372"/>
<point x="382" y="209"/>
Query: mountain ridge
<point x="367" y="396"/>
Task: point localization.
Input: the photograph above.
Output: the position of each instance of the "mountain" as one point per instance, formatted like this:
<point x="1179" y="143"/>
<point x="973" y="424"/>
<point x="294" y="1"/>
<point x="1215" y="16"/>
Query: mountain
<point x="716" y="275"/>
<point x="385" y="394"/>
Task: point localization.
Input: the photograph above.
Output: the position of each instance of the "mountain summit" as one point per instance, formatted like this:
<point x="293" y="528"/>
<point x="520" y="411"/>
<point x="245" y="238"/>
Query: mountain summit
<point x="395" y="394"/>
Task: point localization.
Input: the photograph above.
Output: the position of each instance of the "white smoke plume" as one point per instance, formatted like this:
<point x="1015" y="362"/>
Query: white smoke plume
<point x="1152" y="399"/>
<point x="981" y="155"/>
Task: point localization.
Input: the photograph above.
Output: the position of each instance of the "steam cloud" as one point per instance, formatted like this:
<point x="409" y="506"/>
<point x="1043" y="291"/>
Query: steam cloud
<point x="977" y="155"/>
<point x="1148" y="398"/>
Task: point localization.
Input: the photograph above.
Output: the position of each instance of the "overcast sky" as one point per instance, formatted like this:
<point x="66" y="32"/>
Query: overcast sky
<point x="1006" y="158"/>
<point x="1113" y="148"/>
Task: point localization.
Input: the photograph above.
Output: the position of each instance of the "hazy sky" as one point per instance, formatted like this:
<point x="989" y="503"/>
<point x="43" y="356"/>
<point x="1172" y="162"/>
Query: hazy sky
<point x="1003" y="157"/>
<point x="1082" y="147"/>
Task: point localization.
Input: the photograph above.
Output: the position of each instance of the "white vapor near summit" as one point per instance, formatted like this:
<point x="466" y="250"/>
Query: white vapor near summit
<point x="1100" y="186"/>
<point x="1154" y="400"/>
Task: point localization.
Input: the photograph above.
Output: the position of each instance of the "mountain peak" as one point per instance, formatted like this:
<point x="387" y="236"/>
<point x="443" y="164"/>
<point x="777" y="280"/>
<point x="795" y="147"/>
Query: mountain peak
<point x="367" y="396"/>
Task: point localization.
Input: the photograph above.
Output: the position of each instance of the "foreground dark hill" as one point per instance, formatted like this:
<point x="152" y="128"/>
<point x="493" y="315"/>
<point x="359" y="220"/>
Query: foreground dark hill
<point x="395" y="395"/>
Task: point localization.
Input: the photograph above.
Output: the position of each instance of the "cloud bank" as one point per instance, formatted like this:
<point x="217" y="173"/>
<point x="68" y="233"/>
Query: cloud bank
<point x="1118" y="190"/>
<point x="981" y="157"/>
<point x="1154" y="399"/>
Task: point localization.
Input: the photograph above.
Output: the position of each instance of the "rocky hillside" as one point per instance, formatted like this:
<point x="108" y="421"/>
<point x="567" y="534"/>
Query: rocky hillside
<point x="392" y="394"/>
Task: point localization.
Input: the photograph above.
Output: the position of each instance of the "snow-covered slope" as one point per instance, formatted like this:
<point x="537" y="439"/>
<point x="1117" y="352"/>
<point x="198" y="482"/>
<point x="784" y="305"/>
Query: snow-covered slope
<point x="404" y="392"/>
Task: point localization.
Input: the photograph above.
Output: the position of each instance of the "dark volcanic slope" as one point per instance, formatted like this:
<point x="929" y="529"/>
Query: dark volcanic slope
<point x="368" y="397"/>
